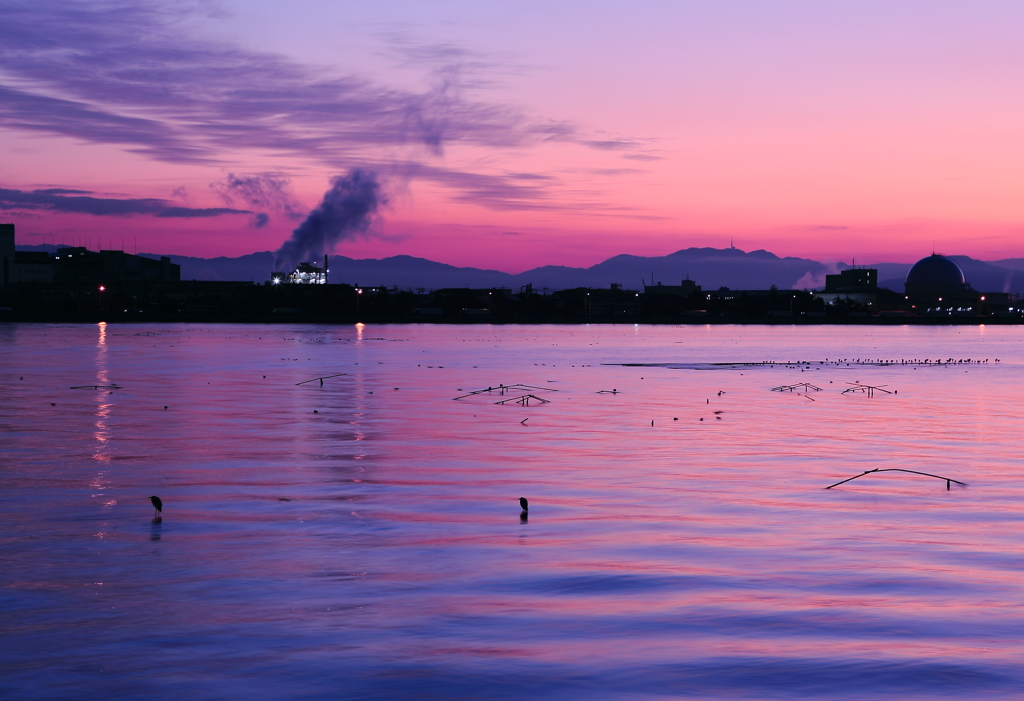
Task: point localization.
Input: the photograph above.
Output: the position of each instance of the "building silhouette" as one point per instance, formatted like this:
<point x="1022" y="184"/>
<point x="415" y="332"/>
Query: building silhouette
<point x="304" y="274"/>
<point x="936" y="286"/>
<point x="32" y="266"/>
<point x="82" y="265"/>
<point x="936" y="277"/>
<point x="6" y="254"/>
<point x="856" y="287"/>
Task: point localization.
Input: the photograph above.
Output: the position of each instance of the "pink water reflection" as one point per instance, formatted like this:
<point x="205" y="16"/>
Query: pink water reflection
<point x="373" y="548"/>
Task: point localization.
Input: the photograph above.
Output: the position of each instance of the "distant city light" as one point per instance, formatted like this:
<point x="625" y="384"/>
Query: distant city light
<point x="102" y="288"/>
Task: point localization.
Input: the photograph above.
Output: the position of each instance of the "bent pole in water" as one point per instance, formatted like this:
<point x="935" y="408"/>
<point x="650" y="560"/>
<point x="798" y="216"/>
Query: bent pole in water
<point x="325" y="377"/>
<point x="898" y="469"/>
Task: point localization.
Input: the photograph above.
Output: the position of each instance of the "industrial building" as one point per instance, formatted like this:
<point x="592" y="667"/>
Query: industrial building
<point x="82" y="265"/>
<point x="851" y="286"/>
<point x="304" y="274"/>
<point x="78" y="265"/>
<point x="936" y="278"/>
<point x="936" y="286"/>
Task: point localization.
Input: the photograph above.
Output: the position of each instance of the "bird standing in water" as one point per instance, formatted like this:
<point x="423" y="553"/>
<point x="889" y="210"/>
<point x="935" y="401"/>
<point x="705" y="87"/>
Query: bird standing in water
<point x="523" y="503"/>
<point x="158" y="505"/>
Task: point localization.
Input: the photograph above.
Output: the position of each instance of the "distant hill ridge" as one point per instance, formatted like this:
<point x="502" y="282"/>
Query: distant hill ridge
<point x="711" y="268"/>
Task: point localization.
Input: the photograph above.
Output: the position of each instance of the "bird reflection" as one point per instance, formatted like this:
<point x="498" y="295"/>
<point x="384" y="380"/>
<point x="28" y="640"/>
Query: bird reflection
<point x="156" y="528"/>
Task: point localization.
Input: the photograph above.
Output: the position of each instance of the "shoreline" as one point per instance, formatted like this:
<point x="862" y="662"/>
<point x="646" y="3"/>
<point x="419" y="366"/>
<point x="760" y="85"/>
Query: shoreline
<point x="474" y="320"/>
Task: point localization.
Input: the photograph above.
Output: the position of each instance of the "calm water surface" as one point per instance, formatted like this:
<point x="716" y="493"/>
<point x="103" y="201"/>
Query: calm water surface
<point x="362" y="539"/>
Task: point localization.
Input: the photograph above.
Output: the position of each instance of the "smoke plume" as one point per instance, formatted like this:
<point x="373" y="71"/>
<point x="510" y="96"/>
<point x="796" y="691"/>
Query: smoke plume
<point x="815" y="281"/>
<point x="346" y="211"/>
<point x="260" y="191"/>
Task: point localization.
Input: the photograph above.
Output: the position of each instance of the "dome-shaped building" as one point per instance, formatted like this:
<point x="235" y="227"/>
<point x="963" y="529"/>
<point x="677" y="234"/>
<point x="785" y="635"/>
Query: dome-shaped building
<point x="936" y="276"/>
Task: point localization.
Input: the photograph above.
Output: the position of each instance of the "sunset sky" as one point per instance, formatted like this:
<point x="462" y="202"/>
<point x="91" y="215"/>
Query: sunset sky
<point x="513" y="135"/>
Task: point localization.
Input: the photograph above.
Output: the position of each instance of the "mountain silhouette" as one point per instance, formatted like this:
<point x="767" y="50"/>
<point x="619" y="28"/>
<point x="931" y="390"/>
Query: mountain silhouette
<point x="711" y="268"/>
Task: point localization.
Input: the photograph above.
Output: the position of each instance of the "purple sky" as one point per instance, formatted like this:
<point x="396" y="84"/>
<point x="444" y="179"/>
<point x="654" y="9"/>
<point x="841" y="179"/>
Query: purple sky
<point x="514" y="135"/>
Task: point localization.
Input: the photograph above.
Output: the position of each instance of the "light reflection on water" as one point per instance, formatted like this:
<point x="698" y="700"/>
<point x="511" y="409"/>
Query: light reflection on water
<point x="374" y="549"/>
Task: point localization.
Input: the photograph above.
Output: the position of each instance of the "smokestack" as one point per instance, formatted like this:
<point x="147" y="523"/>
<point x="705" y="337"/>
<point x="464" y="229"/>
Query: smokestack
<point x="347" y="210"/>
<point x="325" y="269"/>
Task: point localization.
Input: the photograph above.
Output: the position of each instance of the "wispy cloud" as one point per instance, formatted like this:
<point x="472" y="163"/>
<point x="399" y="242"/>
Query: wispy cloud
<point x="128" y="73"/>
<point x="615" y="171"/>
<point x="60" y="200"/>
<point x="501" y="192"/>
<point x="610" y="144"/>
<point x="133" y="73"/>
<point x="61" y="191"/>
<point x="261" y="191"/>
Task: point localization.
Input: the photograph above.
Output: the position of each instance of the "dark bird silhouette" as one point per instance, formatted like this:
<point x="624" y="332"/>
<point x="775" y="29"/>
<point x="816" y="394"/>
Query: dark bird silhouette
<point x="157" y="504"/>
<point x="523" y="503"/>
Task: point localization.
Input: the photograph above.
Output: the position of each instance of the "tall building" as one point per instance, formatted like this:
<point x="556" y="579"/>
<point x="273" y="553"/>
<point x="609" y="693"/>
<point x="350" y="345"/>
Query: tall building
<point x="6" y="254"/>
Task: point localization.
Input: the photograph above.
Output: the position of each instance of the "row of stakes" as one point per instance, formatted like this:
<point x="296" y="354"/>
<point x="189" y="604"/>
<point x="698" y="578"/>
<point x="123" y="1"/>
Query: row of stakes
<point x="854" y="388"/>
